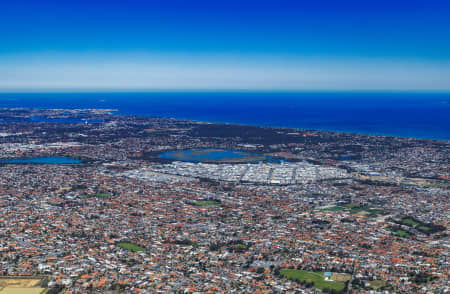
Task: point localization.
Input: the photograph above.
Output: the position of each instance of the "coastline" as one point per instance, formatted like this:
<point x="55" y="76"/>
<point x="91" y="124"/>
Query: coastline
<point x="309" y="129"/>
<point x="349" y="132"/>
<point x="405" y="115"/>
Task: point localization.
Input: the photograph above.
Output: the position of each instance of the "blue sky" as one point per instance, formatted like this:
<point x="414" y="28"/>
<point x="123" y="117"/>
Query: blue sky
<point x="224" y="45"/>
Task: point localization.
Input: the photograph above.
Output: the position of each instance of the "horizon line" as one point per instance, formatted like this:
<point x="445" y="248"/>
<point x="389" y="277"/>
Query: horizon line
<point x="200" y="90"/>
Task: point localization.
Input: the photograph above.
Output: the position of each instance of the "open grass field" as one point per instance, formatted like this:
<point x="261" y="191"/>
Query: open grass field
<point x="11" y="282"/>
<point x="377" y="284"/>
<point x="365" y="210"/>
<point x="401" y="233"/>
<point x="130" y="246"/>
<point x="239" y="246"/>
<point x="359" y="209"/>
<point x="207" y="203"/>
<point x="97" y="195"/>
<point x="21" y="290"/>
<point x="354" y="208"/>
<point x="423" y="228"/>
<point x="101" y="195"/>
<point x="409" y="222"/>
<point x="315" y="277"/>
<point x="351" y="205"/>
<point x="333" y="208"/>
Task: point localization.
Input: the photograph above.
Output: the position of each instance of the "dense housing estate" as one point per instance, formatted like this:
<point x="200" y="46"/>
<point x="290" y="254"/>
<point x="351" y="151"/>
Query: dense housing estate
<point x="339" y="213"/>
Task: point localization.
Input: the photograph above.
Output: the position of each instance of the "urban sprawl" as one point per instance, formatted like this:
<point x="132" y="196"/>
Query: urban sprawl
<point x="297" y="211"/>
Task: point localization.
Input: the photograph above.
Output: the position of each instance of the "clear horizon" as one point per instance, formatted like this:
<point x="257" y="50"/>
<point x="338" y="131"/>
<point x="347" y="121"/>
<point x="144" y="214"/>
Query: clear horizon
<point x="218" y="91"/>
<point x="85" y="46"/>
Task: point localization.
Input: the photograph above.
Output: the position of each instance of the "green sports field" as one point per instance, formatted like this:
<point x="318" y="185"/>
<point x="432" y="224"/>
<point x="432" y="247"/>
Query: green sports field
<point x="130" y="246"/>
<point x="315" y="277"/>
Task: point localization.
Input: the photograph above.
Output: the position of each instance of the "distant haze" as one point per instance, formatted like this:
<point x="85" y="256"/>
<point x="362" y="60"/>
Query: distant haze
<point x="224" y="45"/>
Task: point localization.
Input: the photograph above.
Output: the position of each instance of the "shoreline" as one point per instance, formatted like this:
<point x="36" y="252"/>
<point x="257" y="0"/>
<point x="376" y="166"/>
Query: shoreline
<point x="422" y="116"/>
<point x="117" y="111"/>
<point x="286" y="127"/>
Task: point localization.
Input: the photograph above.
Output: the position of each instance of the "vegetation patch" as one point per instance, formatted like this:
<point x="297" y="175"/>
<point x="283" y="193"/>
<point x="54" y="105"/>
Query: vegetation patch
<point x="377" y="284"/>
<point x="101" y="195"/>
<point x="239" y="247"/>
<point x="130" y="246"/>
<point x="183" y="242"/>
<point x="409" y="221"/>
<point x="421" y="278"/>
<point x="400" y="232"/>
<point x="207" y="202"/>
<point x="355" y="208"/>
<point x="97" y="195"/>
<point x="425" y="228"/>
<point x="315" y="278"/>
<point x="234" y="245"/>
<point x="352" y="205"/>
<point x="333" y="208"/>
<point x="367" y="210"/>
<point x="442" y="185"/>
<point x="359" y="209"/>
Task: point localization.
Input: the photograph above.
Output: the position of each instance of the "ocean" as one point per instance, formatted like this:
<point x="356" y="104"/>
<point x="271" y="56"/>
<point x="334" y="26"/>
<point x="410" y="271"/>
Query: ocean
<point x="44" y="160"/>
<point x="415" y="115"/>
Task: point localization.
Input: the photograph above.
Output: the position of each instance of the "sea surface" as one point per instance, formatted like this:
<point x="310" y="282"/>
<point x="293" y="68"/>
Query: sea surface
<point x="44" y="160"/>
<point x="63" y="120"/>
<point x="417" y="115"/>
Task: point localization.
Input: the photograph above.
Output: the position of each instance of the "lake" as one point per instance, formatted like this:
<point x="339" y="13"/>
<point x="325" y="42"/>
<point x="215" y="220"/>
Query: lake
<point x="216" y="155"/>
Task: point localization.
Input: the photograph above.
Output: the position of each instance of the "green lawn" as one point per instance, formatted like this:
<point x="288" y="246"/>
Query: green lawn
<point x="239" y="246"/>
<point x="207" y="203"/>
<point x="400" y="232"/>
<point x="437" y="185"/>
<point x="351" y="205"/>
<point x="97" y="195"/>
<point x="372" y="212"/>
<point x="316" y="277"/>
<point x="409" y="222"/>
<point x="102" y="195"/>
<point x="403" y="233"/>
<point x="334" y="208"/>
<point x="356" y="208"/>
<point x="423" y="229"/>
<point x="130" y="246"/>
<point x="377" y="284"/>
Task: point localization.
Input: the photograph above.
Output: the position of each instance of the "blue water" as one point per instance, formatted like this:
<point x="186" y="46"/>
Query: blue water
<point x="418" y="115"/>
<point x="63" y="120"/>
<point x="193" y="155"/>
<point x="44" y="160"/>
<point x="211" y="155"/>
